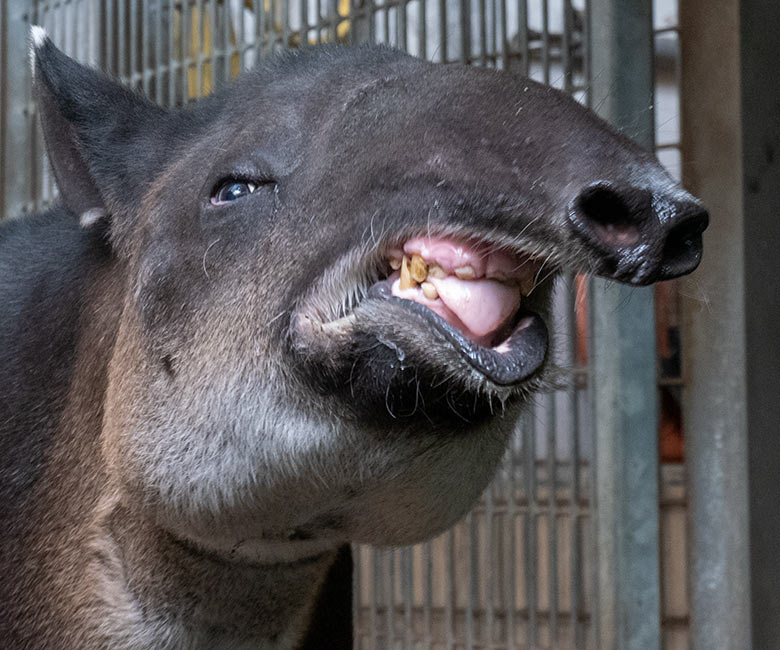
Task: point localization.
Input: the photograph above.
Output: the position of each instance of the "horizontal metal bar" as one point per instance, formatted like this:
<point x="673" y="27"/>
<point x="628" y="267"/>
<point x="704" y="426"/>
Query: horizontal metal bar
<point x="523" y="613"/>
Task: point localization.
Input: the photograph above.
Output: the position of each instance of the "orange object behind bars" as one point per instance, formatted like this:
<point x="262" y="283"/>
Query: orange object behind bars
<point x="671" y="446"/>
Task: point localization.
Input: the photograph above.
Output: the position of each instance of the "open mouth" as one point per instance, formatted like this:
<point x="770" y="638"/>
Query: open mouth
<point x="465" y="295"/>
<point x="476" y="298"/>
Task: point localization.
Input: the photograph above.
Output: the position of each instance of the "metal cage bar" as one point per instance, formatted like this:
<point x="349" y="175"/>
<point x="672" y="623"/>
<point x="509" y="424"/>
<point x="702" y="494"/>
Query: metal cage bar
<point x="17" y="192"/>
<point x="624" y="367"/>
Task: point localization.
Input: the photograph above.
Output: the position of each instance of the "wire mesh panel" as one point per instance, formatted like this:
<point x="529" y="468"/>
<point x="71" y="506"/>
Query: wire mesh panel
<point x="176" y="51"/>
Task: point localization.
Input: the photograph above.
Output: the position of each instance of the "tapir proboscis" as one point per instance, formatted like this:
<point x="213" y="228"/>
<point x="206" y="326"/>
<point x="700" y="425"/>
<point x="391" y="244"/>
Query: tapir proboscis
<point x="305" y="311"/>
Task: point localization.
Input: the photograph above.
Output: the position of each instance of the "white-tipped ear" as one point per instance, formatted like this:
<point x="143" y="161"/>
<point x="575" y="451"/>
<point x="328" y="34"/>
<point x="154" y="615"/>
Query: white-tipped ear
<point x="90" y="217"/>
<point x="38" y="36"/>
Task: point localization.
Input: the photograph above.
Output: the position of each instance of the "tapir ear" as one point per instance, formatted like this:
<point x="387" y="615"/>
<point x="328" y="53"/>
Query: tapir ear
<point x="98" y="133"/>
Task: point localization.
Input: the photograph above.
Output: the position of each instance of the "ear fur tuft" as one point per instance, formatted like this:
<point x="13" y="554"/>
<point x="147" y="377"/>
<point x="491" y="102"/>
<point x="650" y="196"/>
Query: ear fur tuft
<point x="90" y="217"/>
<point x="38" y="36"/>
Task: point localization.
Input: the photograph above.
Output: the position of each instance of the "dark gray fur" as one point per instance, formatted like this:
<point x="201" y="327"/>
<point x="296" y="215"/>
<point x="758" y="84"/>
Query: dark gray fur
<point x="182" y="448"/>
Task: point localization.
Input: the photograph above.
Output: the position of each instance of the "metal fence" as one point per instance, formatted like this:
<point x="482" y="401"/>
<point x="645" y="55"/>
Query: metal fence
<point x="176" y="51"/>
<point x="521" y="571"/>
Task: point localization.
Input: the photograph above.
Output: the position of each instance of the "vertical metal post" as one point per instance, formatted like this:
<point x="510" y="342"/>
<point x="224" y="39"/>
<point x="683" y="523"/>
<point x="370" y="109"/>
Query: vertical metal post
<point x="731" y="404"/>
<point x="760" y="104"/>
<point x="428" y="595"/>
<point x="465" y="30"/>
<point x="715" y="400"/>
<point x="511" y="560"/>
<point x="531" y="532"/>
<point x="16" y="131"/>
<point x="623" y="377"/>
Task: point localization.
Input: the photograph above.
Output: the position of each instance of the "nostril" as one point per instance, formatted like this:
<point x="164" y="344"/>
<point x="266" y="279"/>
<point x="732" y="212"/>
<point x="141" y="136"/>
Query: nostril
<point x="638" y="236"/>
<point x="606" y="212"/>
<point x="683" y="245"/>
<point x="601" y="204"/>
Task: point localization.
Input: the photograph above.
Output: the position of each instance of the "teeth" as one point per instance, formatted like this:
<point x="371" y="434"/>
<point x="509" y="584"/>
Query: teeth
<point x="418" y="269"/>
<point x="406" y="276"/>
<point x="429" y="291"/>
<point x="465" y="272"/>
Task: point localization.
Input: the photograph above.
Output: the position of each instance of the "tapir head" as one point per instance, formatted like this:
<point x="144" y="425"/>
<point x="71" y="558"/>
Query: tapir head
<point x="333" y="280"/>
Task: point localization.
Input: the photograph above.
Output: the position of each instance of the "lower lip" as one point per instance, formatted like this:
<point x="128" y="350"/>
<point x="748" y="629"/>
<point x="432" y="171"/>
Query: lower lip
<point x="512" y="362"/>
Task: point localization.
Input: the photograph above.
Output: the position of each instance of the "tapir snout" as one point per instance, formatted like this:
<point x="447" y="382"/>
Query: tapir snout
<point x="641" y="236"/>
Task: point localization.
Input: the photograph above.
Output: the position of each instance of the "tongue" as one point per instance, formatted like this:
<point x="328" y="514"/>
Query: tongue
<point x="476" y="307"/>
<point x="483" y="306"/>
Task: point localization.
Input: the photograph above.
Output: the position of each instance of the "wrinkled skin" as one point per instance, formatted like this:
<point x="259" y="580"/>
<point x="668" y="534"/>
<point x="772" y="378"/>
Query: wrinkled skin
<point x="198" y="404"/>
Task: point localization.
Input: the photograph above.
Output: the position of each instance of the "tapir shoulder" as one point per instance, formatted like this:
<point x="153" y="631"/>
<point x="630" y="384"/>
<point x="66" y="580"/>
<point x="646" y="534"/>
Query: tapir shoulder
<point x="39" y="254"/>
<point x="43" y="259"/>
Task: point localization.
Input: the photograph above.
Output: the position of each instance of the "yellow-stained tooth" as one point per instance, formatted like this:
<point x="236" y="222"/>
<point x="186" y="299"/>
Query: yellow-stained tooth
<point x="429" y="291"/>
<point x="418" y="268"/>
<point x="465" y="272"/>
<point x="435" y="271"/>
<point x="406" y="277"/>
<point x="395" y="263"/>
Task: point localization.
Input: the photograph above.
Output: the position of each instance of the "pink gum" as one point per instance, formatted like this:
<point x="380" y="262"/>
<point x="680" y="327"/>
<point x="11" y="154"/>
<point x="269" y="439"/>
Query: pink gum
<point x="450" y="255"/>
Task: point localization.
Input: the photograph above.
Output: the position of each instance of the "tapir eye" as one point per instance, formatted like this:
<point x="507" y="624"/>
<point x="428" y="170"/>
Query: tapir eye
<point x="231" y="190"/>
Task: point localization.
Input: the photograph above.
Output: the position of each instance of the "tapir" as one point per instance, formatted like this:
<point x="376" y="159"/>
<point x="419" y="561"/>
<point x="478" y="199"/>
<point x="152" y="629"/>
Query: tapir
<point x="303" y="312"/>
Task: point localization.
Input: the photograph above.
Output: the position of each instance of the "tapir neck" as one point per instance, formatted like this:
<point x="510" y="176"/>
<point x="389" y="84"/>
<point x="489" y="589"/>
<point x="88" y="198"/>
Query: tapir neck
<point x="188" y="598"/>
<point x="81" y="568"/>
